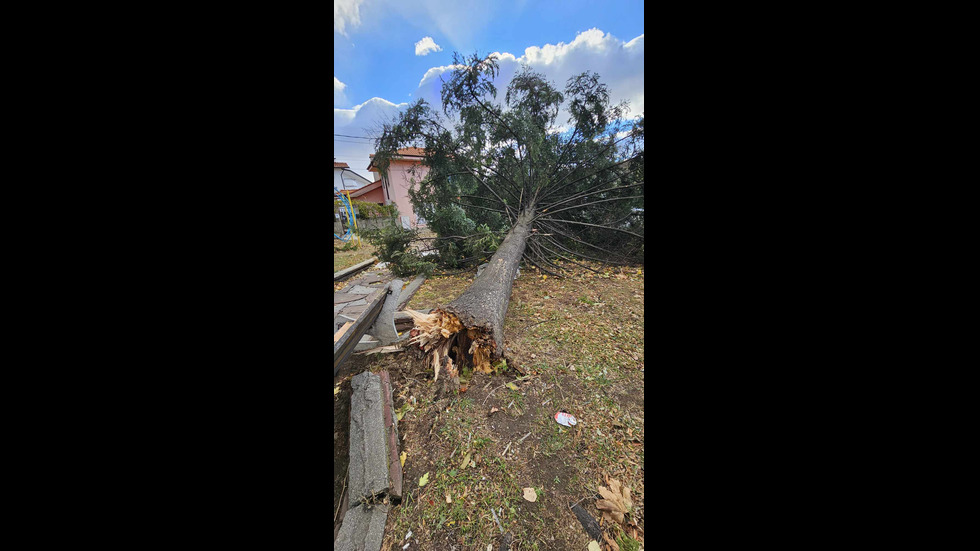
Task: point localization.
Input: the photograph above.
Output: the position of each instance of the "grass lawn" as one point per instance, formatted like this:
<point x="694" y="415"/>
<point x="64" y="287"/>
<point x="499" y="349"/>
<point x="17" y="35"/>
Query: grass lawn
<point x="580" y="340"/>
<point x="346" y="259"/>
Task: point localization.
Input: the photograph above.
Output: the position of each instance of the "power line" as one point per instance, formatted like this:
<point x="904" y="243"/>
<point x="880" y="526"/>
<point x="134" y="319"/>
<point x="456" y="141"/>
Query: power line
<point x="361" y="137"/>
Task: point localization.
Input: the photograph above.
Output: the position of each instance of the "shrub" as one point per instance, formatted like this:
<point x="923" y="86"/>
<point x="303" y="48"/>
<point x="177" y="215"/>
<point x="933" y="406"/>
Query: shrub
<point x="392" y="245"/>
<point x="480" y="240"/>
<point x="369" y="211"/>
<point x="348" y="246"/>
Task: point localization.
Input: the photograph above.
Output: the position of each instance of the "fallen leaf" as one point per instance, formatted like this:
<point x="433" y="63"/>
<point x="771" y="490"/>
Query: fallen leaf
<point x="448" y="499"/>
<point x="403" y="456"/>
<point x="336" y="390"/>
<point x="512" y="386"/>
<point x="594" y="546"/>
<point x="466" y="461"/>
<point x="530" y="495"/>
<point x="616" y="502"/>
<point x="424" y="480"/>
<point x="494" y="409"/>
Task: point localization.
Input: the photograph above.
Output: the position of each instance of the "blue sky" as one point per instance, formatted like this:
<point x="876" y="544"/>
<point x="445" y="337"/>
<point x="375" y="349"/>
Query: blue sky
<point x="377" y="69"/>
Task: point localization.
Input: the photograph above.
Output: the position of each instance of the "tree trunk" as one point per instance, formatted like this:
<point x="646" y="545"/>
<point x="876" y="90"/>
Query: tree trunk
<point x="471" y="328"/>
<point x="483" y="304"/>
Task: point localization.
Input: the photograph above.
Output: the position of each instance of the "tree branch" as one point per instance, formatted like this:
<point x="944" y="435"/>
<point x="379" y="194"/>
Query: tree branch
<point x="586" y="243"/>
<point x="576" y="253"/>
<point x="509" y="217"/>
<point x="527" y="257"/>
<point x="554" y="190"/>
<point x="479" y="207"/>
<point x="592" y="203"/>
<point x="590" y="191"/>
<point x="559" y="255"/>
<point x="592" y="225"/>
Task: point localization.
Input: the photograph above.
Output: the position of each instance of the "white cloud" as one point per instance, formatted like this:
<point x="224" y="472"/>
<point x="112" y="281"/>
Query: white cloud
<point x="362" y="120"/>
<point x="426" y="45"/>
<point x="619" y="64"/>
<point x="346" y="13"/>
<point x="339" y="97"/>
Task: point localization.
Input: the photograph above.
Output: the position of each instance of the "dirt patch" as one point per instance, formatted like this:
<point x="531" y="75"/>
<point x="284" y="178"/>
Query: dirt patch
<point x="341" y="439"/>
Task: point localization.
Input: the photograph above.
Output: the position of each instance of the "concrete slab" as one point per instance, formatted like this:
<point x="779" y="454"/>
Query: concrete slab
<point x="368" y="474"/>
<point x="391" y="427"/>
<point x="363" y="528"/>
<point x="366" y="343"/>
<point x="362" y="290"/>
<point x="340" y="298"/>
<point x="354" y="311"/>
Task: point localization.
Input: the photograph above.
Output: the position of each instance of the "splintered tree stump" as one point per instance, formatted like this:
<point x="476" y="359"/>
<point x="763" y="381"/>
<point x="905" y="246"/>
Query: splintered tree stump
<point x="442" y="336"/>
<point x="470" y="329"/>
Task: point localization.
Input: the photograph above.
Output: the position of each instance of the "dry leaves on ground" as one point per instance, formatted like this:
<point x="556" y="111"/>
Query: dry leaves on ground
<point x="616" y="502"/>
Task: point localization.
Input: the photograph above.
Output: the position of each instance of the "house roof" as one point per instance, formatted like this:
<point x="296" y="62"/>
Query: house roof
<point x="370" y="187"/>
<point x="340" y="165"/>
<point x="403" y="152"/>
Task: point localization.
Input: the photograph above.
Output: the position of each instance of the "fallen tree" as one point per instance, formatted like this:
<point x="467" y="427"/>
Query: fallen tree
<point x="555" y="194"/>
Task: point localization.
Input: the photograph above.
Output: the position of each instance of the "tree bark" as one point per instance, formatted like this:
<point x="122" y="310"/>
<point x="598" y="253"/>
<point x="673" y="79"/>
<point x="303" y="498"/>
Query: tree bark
<point x="470" y="329"/>
<point x="483" y="305"/>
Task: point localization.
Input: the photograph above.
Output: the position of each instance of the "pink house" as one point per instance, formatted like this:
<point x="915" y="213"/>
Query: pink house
<point x="397" y="182"/>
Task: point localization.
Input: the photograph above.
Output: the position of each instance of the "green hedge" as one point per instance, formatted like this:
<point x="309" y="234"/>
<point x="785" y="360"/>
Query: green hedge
<point x="369" y="211"/>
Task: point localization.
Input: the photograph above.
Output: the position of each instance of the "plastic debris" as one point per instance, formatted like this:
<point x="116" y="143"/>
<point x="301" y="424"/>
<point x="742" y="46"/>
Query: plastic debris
<point x="495" y="519"/>
<point x="594" y="546"/>
<point x="565" y="419"/>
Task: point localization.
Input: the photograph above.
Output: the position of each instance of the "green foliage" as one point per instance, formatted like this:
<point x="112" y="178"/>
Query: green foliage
<point x="627" y="543"/>
<point x="393" y="245"/>
<point x="489" y="160"/>
<point x="461" y="241"/>
<point x="348" y="246"/>
<point x="368" y="211"/>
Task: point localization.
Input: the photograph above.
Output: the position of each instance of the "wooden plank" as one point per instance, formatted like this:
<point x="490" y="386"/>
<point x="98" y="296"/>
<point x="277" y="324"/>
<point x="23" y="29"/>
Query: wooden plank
<point x="341" y="331"/>
<point x="380" y="350"/>
<point x="342" y="349"/>
<point x="391" y="426"/>
<point x="347" y="272"/>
